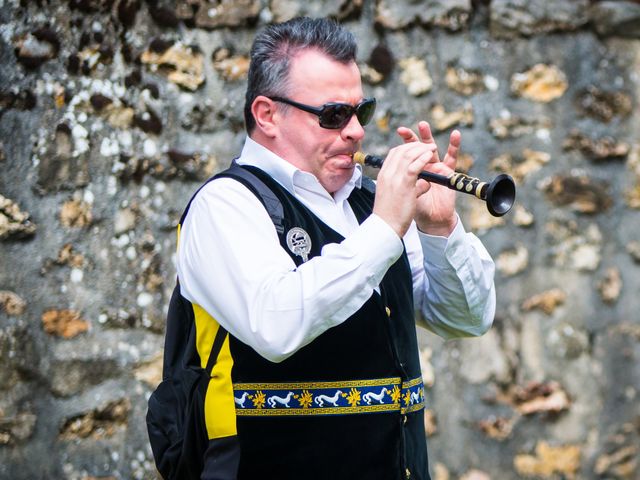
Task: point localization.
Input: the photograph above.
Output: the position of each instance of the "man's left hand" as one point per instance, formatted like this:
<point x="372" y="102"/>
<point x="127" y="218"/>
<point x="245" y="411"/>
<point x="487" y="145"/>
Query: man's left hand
<point x="435" y="214"/>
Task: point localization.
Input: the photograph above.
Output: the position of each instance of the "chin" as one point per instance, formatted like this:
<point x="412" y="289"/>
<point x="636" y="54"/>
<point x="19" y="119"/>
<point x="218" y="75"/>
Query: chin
<point x="336" y="182"/>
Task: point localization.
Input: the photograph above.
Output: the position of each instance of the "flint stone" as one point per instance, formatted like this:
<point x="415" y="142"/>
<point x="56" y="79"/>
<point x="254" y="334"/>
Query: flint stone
<point x="632" y="196"/>
<point x="101" y="422"/>
<point x="480" y="219"/>
<point x="233" y="68"/>
<point x="513" y="18"/>
<point x="633" y="161"/>
<point x="566" y="341"/>
<point x="531" y="161"/>
<point x="382" y="60"/>
<point x="511" y="262"/>
<point x="475" y="474"/>
<point x="546" y="397"/>
<point x="465" y="82"/>
<point x="574" y="245"/>
<point x="610" y="286"/>
<point x="37" y="47"/>
<point x="18" y="99"/>
<point x="17" y="355"/>
<point x="546" y="301"/>
<point x="218" y="13"/>
<point x="14" y="223"/>
<point x="515" y="126"/>
<point x="67" y="256"/>
<point x="483" y="359"/>
<point x="621" y="463"/>
<point x="548" y="460"/>
<point x="580" y="192"/>
<point x="619" y="18"/>
<point x="415" y="76"/>
<point x="601" y="149"/>
<point x="522" y="217"/>
<point x="11" y="303"/>
<point x="604" y="105"/>
<point x="163" y="16"/>
<point x="192" y="165"/>
<point x="541" y="83"/>
<point x="183" y="65"/>
<point x="283" y="10"/>
<point x="150" y="372"/>
<point x="76" y="214"/>
<point x="633" y="248"/>
<point x="18" y="428"/>
<point x="60" y="168"/>
<point x="125" y="220"/>
<point x="453" y="14"/>
<point x="73" y="375"/>
<point x="63" y="323"/>
<point x="443" y="120"/>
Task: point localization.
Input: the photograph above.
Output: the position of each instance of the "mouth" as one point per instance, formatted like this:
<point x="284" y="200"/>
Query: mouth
<point x="346" y="158"/>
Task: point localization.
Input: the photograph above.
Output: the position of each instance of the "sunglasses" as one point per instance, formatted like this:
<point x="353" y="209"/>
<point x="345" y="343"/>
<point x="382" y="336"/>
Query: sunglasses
<point x="335" y="115"/>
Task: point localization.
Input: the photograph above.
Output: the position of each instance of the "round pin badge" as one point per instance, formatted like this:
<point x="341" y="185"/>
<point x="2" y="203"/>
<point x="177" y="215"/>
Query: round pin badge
<point x="299" y="242"/>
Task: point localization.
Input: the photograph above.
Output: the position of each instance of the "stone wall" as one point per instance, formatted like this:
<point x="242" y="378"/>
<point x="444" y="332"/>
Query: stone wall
<point x="112" y="112"/>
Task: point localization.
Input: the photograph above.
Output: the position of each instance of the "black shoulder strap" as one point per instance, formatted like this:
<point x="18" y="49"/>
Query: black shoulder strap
<point x="215" y="349"/>
<point x="274" y="208"/>
<point x="271" y="203"/>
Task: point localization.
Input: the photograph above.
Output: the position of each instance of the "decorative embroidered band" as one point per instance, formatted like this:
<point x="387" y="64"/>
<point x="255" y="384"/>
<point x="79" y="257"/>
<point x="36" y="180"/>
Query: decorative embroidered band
<point x="329" y="398"/>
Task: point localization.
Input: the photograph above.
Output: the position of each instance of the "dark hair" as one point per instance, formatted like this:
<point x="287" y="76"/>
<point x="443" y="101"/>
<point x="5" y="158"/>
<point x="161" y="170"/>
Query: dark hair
<point x="276" y="44"/>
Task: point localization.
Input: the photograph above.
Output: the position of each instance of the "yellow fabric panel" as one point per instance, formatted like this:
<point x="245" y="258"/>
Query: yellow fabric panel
<point x="219" y="405"/>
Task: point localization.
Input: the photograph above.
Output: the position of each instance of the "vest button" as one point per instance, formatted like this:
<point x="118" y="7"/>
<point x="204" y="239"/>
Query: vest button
<point x="407" y="473"/>
<point x="404" y="420"/>
<point x="388" y="311"/>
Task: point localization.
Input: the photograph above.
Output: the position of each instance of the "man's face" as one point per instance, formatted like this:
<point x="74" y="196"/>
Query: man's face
<point x="314" y="80"/>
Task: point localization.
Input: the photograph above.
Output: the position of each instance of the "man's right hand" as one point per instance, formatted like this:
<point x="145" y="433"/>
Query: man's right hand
<point x="398" y="185"/>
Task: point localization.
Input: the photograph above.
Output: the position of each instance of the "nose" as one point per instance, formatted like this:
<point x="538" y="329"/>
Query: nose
<point x="352" y="131"/>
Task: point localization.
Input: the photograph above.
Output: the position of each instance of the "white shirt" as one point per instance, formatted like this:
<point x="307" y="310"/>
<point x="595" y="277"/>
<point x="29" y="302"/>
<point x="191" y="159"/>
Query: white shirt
<point x="231" y="263"/>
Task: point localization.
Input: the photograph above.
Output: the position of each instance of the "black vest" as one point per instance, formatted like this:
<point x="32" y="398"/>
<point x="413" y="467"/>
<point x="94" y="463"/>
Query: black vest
<point x="378" y="341"/>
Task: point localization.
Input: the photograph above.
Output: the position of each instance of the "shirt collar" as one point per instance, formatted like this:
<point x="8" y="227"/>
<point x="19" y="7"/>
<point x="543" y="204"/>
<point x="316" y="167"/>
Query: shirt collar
<point x="287" y="175"/>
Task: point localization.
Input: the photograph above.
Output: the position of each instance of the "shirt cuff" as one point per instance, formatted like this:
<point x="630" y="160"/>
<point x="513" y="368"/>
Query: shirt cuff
<point x="441" y="251"/>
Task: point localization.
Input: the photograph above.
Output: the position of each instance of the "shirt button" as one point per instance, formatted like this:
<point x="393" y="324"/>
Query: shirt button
<point x="388" y="311"/>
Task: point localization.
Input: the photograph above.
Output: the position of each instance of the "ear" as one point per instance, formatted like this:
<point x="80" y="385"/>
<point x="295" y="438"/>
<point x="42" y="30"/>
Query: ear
<point x="264" y="112"/>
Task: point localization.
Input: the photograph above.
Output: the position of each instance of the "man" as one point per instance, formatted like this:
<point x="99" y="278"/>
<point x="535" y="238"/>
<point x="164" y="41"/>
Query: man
<point x="320" y="375"/>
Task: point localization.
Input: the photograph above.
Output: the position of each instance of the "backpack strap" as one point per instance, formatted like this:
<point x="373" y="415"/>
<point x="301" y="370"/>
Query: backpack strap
<point x="274" y="208"/>
<point x="221" y="334"/>
<point x="271" y="203"/>
<point x="258" y="188"/>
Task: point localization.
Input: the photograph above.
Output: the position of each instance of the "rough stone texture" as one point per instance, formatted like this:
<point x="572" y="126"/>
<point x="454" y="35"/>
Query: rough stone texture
<point x="511" y="18"/>
<point x="112" y="112"/>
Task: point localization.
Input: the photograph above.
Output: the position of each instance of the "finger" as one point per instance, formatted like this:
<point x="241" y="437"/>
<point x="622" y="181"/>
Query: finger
<point x="407" y="134"/>
<point x="427" y="136"/>
<point x="451" y="157"/>
<point x="418" y="164"/>
<point x="425" y="132"/>
<point x="422" y="187"/>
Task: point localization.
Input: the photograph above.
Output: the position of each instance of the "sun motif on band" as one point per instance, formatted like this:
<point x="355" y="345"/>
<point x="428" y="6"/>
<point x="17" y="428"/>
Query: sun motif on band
<point x="258" y="399"/>
<point x="395" y="394"/>
<point x="407" y="398"/>
<point x="305" y="399"/>
<point x="353" y="398"/>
